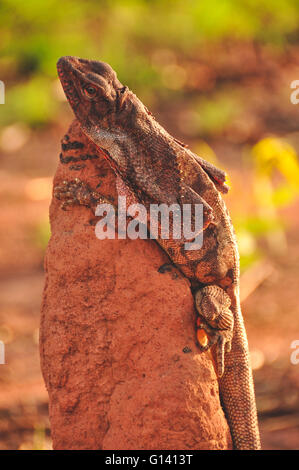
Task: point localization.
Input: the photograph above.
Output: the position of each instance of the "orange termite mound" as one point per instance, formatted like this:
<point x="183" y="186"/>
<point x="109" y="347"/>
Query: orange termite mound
<point x="117" y="340"/>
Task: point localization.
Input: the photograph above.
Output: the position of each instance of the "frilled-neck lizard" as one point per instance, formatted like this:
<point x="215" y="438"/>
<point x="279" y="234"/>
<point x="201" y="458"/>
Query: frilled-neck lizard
<point x="152" y="167"/>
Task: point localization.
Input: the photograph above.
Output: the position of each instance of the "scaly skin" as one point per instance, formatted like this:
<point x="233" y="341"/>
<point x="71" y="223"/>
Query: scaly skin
<point x="153" y="167"/>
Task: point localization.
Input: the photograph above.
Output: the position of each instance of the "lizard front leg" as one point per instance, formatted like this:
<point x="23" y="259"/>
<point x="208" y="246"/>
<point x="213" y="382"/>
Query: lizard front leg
<point x="76" y="192"/>
<point x="216" y="320"/>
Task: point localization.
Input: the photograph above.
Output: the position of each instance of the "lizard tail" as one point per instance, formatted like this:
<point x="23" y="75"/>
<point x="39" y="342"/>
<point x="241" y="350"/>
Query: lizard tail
<point x="237" y="390"/>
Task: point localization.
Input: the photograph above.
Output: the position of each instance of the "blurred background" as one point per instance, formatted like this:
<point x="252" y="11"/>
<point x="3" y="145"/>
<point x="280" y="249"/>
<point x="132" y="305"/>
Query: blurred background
<point x="217" y="75"/>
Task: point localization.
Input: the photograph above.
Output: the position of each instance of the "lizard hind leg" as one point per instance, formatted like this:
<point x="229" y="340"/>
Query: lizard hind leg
<point x="216" y="320"/>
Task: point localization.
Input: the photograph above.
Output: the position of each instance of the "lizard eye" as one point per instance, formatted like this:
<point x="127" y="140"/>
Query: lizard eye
<point x="123" y="90"/>
<point x="90" y="91"/>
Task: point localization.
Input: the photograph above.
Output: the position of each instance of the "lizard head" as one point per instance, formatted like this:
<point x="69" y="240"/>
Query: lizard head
<point x="97" y="97"/>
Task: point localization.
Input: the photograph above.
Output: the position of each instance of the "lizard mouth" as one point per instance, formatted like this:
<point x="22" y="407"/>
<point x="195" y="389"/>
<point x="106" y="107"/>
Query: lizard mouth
<point x="67" y="78"/>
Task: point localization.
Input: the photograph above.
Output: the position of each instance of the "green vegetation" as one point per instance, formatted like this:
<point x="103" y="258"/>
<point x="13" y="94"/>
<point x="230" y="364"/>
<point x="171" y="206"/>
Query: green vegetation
<point x="126" y="33"/>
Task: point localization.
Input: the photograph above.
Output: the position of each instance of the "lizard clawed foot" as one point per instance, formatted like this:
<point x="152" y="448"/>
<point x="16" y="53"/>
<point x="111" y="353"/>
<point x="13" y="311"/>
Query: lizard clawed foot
<point x="216" y="321"/>
<point x="76" y="192"/>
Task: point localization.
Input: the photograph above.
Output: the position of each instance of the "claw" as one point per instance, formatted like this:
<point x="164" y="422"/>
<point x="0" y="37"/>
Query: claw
<point x="216" y="321"/>
<point x="76" y="192"/>
<point x="213" y="338"/>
